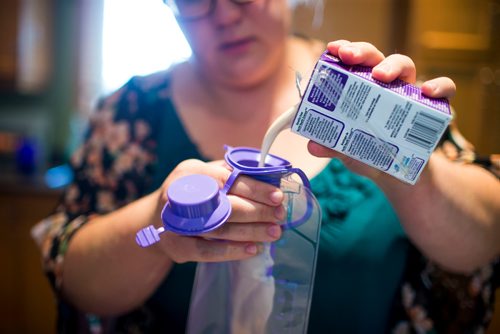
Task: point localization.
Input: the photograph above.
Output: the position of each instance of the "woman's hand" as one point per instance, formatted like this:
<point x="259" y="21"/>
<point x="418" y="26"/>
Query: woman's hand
<point x="385" y="69"/>
<point x="256" y="209"/>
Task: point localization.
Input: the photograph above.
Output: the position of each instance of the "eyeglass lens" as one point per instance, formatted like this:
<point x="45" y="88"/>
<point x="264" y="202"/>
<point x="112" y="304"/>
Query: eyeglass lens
<point x="196" y="9"/>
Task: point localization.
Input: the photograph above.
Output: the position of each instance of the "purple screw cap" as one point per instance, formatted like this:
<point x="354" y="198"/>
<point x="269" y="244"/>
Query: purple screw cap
<point x="193" y="196"/>
<point x="195" y="205"/>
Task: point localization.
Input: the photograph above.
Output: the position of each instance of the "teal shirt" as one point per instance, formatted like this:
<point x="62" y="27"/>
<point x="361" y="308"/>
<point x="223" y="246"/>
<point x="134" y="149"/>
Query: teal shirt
<point x="362" y="254"/>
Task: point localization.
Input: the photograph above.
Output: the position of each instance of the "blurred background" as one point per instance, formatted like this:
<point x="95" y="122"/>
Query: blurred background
<point x="57" y="57"/>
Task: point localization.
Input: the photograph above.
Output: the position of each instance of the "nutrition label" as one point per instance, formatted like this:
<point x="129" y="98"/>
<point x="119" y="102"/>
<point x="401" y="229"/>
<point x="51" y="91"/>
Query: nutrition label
<point x="370" y="149"/>
<point x="328" y="88"/>
<point x="326" y="130"/>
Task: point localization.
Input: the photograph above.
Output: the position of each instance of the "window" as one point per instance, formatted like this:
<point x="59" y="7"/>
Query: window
<point x="139" y="37"/>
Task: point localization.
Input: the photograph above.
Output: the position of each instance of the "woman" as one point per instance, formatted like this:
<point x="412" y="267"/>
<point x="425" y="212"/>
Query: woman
<point x="155" y="129"/>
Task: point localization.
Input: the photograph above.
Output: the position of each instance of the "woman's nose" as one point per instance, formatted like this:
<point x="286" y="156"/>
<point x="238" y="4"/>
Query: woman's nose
<point x="227" y="12"/>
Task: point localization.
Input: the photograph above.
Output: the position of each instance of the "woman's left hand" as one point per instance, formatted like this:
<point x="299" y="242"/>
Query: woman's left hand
<point x="385" y="69"/>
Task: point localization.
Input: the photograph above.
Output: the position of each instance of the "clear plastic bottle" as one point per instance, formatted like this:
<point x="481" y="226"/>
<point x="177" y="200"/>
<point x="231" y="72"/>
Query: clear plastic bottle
<point x="270" y="292"/>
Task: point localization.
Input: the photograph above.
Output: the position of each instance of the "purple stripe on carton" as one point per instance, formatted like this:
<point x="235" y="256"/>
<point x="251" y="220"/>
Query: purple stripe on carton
<point x="398" y="86"/>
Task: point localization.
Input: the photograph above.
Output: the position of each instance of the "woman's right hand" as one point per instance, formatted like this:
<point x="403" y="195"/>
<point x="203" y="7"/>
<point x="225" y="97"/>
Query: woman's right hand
<point x="256" y="210"/>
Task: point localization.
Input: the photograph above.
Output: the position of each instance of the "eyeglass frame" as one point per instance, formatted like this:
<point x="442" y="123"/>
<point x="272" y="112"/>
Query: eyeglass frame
<point x="175" y="9"/>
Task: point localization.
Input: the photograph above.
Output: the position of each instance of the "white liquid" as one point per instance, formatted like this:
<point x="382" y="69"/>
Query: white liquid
<point x="283" y="122"/>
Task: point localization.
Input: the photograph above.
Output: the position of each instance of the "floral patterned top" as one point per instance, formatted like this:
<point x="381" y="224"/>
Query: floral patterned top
<point x="370" y="279"/>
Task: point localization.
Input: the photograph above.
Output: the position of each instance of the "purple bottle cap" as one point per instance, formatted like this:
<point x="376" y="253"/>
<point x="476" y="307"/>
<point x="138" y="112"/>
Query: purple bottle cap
<point x="195" y="205"/>
<point x="247" y="159"/>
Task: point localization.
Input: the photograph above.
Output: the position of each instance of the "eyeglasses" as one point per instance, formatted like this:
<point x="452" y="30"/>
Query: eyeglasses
<point x="190" y="10"/>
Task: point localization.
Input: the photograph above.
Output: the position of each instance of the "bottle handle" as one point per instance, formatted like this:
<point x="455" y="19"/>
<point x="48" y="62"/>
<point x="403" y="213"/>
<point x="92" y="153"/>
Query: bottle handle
<point x="310" y="203"/>
<point x="302" y="175"/>
<point x="229" y="183"/>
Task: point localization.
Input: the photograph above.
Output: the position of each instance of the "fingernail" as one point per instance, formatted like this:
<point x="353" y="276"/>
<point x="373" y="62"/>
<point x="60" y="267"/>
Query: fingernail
<point x="431" y="86"/>
<point x="251" y="249"/>
<point x="276" y="196"/>
<point x="384" y="68"/>
<point x="354" y="50"/>
<point x="279" y="212"/>
<point x="274" y="231"/>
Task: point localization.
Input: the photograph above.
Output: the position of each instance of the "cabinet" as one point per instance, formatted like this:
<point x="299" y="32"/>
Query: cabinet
<point x="461" y="39"/>
<point x="25" y="45"/>
<point x="27" y="302"/>
<point x="8" y="43"/>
